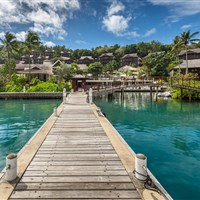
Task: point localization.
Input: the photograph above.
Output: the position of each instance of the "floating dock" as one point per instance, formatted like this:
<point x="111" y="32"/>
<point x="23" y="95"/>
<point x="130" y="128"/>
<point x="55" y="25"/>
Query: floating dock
<point x="76" y="155"/>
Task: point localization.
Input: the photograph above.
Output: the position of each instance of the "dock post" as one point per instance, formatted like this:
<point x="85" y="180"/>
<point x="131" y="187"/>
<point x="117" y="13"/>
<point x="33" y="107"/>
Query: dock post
<point x="151" y="96"/>
<point x="190" y="96"/>
<point x="157" y="93"/>
<point x="122" y="94"/>
<point x="90" y="95"/>
<point x="11" y="167"/>
<point x="140" y="167"/>
<point x="55" y="112"/>
<point x="64" y="95"/>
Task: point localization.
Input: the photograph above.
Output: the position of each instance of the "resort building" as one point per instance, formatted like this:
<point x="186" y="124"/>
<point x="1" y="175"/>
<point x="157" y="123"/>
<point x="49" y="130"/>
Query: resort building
<point x="86" y="60"/>
<point x="41" y="71"/>
<point x="67" y="60"/>
<point x="127" y="69"/>
<point x="106" y="58"/>
<point x="192" y="54"/>
<point x="64" y="54"/>
<point x="131" y="59"/>
<point x="193" y="61"/>
<point x="48" y="54"/>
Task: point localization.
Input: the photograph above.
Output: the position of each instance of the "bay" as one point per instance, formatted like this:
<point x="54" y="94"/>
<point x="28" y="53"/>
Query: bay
<point x="167" y="132"/>
<point x="19" y="120"/>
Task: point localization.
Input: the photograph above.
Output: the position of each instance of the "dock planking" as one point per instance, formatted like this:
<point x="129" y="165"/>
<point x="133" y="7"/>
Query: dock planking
<point x="76" y="161"/>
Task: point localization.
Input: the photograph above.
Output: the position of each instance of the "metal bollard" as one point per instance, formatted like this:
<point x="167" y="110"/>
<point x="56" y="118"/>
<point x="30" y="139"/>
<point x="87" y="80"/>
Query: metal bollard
<point x="11" y="167"/>
<point x="141" y="167"/>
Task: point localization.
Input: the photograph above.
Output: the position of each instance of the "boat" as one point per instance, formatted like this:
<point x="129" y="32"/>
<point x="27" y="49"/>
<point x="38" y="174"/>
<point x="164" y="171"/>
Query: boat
<point x="165" y="94"/>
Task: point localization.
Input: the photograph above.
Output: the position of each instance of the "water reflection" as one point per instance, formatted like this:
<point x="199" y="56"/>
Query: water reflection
<point x="167" y="131"/>
<point x="19" y="120"/>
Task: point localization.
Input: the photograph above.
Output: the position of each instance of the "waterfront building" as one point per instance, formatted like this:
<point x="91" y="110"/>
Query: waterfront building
<point x="193" y="61"/>
<point x="41" y="71"/>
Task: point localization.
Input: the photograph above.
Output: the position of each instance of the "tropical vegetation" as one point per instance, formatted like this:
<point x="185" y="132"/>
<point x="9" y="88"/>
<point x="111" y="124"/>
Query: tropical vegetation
<point x="157" y="60"/>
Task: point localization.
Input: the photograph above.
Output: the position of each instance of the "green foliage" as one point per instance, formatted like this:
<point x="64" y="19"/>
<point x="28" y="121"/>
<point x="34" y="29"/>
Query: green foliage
<point x="95" y="69"/>
<point x="190" y="79"/>
<point x="43" y="87"/>
<point x="111" y="66"/>
<point x="34" y="81"/>
<point x="16" y="84"/>
<point x="157" y="64"/>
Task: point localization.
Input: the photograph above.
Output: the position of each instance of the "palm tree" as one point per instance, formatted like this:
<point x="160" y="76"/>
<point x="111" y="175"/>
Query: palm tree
<point x="32" y="42"/>
<point x="176" y="48"/>
<point x="185" y="39"/>
<point x="9" y="45"/>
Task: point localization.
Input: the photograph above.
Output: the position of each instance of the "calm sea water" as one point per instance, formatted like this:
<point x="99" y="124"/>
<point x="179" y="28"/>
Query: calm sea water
<point x="19" y="120"/>
<point x="167" y="132"/>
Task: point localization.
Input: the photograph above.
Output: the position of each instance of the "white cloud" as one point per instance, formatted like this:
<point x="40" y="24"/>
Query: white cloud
<point x="116" y="23"/>
<point x="2" y="34"/>
<point x="115" y="8"/>
<point x="129" y="34"/>
<point x="21" y="36"/>
<point x="150" y="32"/>
<point x="49" y="43"/>
<point x="49" y="30"/>
<point x="186" y="26"/>
<point x="179" y="8"/>
<point x="48" y="15"/>
<point x="80" y="42"/>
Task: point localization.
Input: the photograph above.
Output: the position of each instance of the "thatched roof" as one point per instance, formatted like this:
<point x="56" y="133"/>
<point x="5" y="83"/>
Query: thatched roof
<point x="86" y="57"/>
<point x="45" y="68"/>
<point x="106" y="54"/>
<point x="195" y="63"/>
<point x="190" y="51"/>
<point x="133" y="55"/>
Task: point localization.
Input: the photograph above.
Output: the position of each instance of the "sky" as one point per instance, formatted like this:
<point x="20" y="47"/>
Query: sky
<point x="86" y="24"/>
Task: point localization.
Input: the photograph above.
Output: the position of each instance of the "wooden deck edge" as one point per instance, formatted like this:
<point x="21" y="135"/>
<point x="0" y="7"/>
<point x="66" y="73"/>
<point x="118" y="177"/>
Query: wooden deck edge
<point x="127" y="156"/>
<point x="26" y="155"/>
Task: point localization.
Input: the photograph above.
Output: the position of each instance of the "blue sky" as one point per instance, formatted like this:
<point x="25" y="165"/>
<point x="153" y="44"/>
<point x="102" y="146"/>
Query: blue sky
<point x="91" y="23"/>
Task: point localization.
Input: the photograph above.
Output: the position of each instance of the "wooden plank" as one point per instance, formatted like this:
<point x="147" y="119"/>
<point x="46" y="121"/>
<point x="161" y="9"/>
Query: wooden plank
<point x="75" y="186"/>
<point x="71" y="194"/>
<point x="78" y="163"/>
<point x="86" y="179"/>
<point x="77" y="156"/>
<point x="74" y="168"/>
<point x="76" y="173"/>
<point x="91" y="148"/>
<point x="75" y="152"/>
<point x="79" y="198"/>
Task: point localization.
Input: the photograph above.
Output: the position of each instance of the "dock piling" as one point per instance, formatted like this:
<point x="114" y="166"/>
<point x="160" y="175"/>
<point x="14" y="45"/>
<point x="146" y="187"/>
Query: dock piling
<point x="11" y="167"/>
<point x="141" y="167"/>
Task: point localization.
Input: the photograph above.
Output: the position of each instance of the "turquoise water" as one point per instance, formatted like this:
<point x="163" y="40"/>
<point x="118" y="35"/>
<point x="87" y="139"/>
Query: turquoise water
<point x="19" y="120"/>
<point x="167" y="132"/>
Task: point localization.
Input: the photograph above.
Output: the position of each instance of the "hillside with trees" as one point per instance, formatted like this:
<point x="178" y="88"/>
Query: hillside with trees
<point x="157" y="60"/>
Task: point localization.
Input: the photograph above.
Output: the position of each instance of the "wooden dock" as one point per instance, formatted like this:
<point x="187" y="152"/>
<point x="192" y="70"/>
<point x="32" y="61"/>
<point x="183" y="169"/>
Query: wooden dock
<point x="76" y="161"/>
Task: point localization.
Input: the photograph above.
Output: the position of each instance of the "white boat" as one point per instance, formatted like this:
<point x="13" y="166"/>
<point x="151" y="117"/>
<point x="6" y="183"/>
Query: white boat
<point x="165" y="94"/>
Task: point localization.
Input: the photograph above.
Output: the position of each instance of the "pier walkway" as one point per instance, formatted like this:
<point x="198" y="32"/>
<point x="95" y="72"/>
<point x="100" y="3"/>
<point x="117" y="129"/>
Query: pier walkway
<point x="76" y="161"/>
